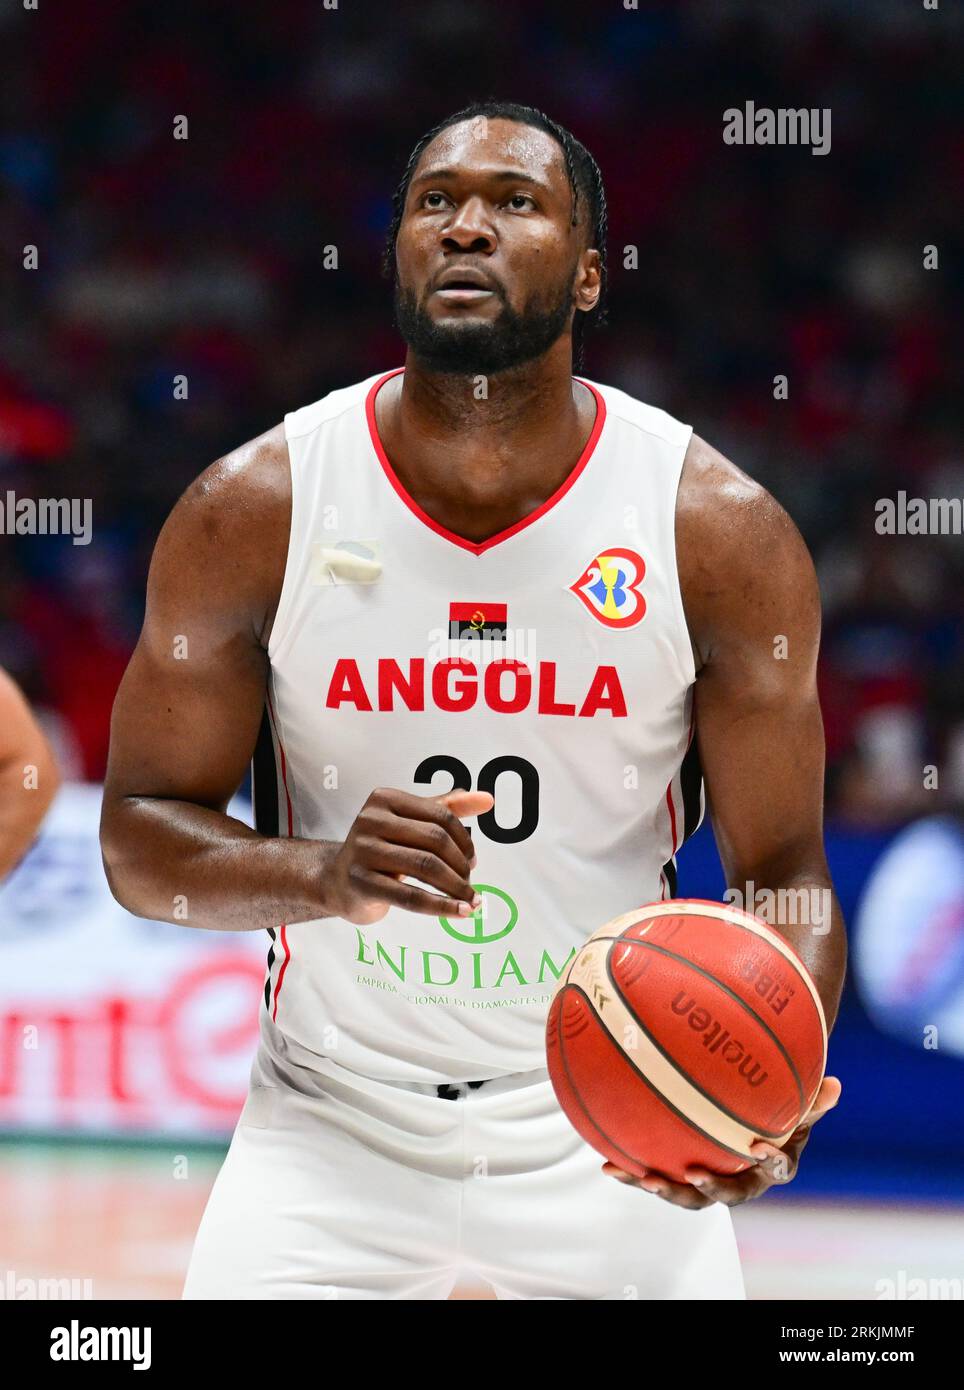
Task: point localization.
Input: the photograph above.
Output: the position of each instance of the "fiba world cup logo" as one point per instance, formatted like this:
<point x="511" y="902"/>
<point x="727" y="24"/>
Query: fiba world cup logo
<point x="609" y="587"/>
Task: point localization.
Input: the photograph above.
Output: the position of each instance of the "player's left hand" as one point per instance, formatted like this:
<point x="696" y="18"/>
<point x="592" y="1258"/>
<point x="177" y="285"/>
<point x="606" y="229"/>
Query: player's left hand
<point x="772" y="1166"/>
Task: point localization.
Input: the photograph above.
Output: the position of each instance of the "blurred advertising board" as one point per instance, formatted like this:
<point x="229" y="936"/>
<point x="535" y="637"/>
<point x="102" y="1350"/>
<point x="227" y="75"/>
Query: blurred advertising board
<point x="111" y="1024"/>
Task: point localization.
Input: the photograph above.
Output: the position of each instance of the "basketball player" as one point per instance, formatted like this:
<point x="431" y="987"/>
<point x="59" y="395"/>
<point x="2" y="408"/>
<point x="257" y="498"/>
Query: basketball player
<point x="464" y="613"/>
<point x="28" y="776"/>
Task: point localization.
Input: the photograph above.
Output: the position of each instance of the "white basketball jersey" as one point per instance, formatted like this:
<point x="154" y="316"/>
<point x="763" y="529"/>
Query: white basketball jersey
<point x="549" y="665"/>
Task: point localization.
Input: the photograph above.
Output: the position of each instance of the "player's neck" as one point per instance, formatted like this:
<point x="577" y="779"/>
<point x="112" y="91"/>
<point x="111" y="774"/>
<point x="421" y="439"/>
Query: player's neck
<point x="506" y="449"/>
<point x="526" y="400"/>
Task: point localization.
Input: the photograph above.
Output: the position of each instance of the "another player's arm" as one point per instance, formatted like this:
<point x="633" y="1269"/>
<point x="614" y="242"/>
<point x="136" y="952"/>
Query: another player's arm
<point x="186" y="719"/>
<point x="28" y="775"/>
<point x="753" y="611"/>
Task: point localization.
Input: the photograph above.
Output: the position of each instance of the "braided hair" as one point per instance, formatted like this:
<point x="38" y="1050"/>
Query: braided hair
<point x="585" y="180"/>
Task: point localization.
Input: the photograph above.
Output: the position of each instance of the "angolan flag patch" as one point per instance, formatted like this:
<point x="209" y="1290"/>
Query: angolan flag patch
<point x="481" y="620"/>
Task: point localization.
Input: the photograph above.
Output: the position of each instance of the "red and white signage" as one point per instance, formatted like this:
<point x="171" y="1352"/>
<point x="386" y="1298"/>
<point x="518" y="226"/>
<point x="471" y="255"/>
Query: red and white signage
<point x="109" y="1023"/>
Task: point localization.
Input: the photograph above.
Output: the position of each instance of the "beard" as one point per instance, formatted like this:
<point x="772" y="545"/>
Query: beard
<point x="482" y="349"/>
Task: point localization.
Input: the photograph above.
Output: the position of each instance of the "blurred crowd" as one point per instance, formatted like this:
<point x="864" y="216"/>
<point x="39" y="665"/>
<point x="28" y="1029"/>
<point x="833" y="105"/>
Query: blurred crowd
<point x="202" y="259"/>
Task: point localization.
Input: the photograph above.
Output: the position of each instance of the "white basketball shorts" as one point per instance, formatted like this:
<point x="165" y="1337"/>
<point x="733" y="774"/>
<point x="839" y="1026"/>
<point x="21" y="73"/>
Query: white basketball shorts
<point x="338" y="1186"/>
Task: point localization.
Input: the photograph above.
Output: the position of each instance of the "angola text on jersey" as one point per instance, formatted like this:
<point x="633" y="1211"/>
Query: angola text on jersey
<point x="507" y="687"/>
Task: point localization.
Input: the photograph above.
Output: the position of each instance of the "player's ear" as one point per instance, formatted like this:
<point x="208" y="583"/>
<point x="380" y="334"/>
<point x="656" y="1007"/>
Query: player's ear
<point x="588" y="280"/>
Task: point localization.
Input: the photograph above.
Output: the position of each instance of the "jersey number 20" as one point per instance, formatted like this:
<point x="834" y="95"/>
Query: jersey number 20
<point x="488" y="776"/>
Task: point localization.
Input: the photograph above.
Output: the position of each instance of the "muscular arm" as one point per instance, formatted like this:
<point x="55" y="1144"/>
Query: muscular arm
<point x="188" y="710"/>
<point x="28" y="775"/>
<point x="753" y="611"/>
<point x="185" y="723"/>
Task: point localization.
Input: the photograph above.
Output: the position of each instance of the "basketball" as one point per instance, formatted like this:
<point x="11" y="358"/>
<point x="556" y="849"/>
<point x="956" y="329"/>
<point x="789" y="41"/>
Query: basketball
<point x="681" y="1033"/>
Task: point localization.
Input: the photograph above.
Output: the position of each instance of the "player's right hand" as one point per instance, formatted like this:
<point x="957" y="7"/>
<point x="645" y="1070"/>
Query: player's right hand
<point x="397" y="835"/>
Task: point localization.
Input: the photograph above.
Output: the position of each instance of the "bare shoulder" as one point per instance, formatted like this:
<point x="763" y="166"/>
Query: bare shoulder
<point x="744" y="567"/>
<point x="226" y="538"/>
<point x="251" y="482"/>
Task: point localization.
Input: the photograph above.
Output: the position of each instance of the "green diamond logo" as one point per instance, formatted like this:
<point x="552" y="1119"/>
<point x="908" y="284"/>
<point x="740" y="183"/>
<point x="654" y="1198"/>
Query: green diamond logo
<point x="478" y="929"/>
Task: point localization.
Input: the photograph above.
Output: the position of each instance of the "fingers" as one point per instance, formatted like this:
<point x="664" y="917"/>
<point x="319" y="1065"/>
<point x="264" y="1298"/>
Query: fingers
<point x="389" y="889"/>
<point x="432" y="845"/>
<point x="678" y="1194"/>
<point x="771" y="1165"/>
<point x="462" y="803"/>
<point x="398" y="836"/>
<point x="443" y="811"/>
<point x="730" y="1192"/>
<point x="825" y="1099"/>
<point x="430" y="839"/>
<point x="779" y="1165"/>
<point x="402" y="861"/>
<point x="703" y="1188"/>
